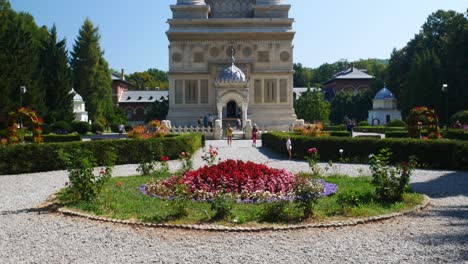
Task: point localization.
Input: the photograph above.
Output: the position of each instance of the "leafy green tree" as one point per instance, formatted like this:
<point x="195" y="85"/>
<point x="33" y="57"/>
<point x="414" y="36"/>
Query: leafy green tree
<point x="435" y="56"/>
<point x="150" y="79"/>
<point x="57" y="79"/>
<point x="159" y="110"/>
<point x="312" y="107"/>
<point x="20" y="40"/>
<point x="91" y="73"/>
<point x="352" y="106"/>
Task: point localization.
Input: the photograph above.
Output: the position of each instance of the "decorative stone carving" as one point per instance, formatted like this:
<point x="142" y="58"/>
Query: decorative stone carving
<point x="285" y="56"/>
<point x="263" y="56"/>
<point x="230" y="51"/>
<point x="247" y="52"/>
<point x="199" y="57"/>
<point x="230" y="8"/>
<point x="176" y="57"/>
<point x="214" y="52"/>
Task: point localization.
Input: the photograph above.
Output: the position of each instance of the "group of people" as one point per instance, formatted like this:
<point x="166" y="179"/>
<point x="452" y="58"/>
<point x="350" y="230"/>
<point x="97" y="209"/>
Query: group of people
<point x="230" y="132"/>
<point x="206" y="121"/>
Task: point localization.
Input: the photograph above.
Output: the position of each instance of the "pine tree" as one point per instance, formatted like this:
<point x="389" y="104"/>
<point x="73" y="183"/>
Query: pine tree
<point x="57" y="79"/>
<point x="20" y="40"/>
<point x="91" y="74"/>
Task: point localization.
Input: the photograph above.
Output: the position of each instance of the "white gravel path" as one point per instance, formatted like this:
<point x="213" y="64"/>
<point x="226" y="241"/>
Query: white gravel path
<point x="436" y="235"/>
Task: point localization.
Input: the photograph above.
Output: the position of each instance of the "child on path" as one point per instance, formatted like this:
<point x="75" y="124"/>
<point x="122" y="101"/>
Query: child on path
<point x="229" y="131"/>
<point x="289" y="147"/>
<point x="254" y="136"/>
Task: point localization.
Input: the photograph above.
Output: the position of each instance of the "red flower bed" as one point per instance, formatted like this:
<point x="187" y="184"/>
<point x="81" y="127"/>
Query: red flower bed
<point x="244" y="180"/>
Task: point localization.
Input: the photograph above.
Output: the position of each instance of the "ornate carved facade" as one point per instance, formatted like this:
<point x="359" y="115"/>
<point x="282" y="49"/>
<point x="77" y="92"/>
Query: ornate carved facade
<point x="233" y="59"/>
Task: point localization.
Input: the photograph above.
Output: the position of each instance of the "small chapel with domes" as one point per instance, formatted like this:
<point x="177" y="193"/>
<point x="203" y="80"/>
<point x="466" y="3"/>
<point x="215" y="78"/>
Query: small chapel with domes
<point x="232" y="59"/>
<point x="384" y="108"/>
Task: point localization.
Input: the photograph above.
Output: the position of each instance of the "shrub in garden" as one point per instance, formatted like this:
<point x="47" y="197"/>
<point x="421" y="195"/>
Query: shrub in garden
<point x="84" y="184"/>
<point x="114" y="128"/>
<point x="61" y="127"/>
<point x="97" y="127"/>
<point x="461" y="116"/>
<point x="27" y="158"/>
<point x="222" y="206"/>
<point x="347" y="200"/>
<point x="274" y="211"/>
<point x="81" y="127"/>
<point x="390" y="182"/>
<point x="363" y="123"/>
<point x="396" y="123"/>
<point x="440" y="154"/>
<point x="424" y="116"/>
<point x="307" y="193"/>
<point x="210" y="157"/>
<point x="339" y="133"/>
<point x="313" y="159"/>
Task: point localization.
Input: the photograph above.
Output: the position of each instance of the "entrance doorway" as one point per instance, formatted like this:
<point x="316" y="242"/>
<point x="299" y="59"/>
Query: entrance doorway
<point x="231" y="109"/>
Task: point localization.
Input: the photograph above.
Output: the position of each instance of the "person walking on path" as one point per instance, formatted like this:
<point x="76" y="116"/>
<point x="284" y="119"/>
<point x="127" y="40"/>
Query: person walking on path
<point x="254" y="136"/>
<point x="289" y="147"/>
<point x="229" y="132"/>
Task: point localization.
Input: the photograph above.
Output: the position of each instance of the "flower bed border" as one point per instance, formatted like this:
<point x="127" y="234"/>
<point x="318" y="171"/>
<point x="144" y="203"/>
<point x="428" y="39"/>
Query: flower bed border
<point x="217" y="228"/>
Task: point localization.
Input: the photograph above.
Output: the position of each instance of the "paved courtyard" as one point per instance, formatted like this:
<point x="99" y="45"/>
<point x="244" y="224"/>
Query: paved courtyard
<point x="437" y="235"/>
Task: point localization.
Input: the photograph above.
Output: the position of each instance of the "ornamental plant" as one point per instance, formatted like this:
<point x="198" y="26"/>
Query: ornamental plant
<point x="312" y="159"/>
<point x="307" y="193"/>
<point x="150" y="167"/>
<point x="154" y="129"/>
<point x="210" y="157"/>
<point x="85" y="184"/>
<point x="244" y="182"/>
<point x="186" y="161"/>
<point x="390" y="182"/>
<point x="426" y="117"/>
<point x="13" y="125"/>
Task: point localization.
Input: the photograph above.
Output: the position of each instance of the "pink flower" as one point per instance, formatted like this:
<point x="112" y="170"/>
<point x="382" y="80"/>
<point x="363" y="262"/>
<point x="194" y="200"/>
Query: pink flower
<point x="103" y="171"/>
<point x="312" y="150"/>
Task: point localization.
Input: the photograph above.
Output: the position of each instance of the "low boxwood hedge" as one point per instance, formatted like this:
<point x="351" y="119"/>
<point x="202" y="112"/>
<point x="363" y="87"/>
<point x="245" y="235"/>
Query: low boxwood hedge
<point x="27" y="158"/>
<point x="439" y="154"/>
<point x="458" y="134"/>
<point x="397" y="134"/>
<point x="339" y="133"/>
<point x="56" y="138"/>
<point x="377" y="129"/>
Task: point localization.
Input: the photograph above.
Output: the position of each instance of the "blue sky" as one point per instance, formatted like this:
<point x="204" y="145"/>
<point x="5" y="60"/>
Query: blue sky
<point x="133" y="32"/>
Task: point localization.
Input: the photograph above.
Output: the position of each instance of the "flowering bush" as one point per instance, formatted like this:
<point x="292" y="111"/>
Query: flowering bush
<point x="154" y="129"/>
<point x="84" y="184"/>
<point x="422" y="117"/>
<point x="13" y="125"/>
<point x="246" y="182"/>
<point x="312" y="130"/>
<point x="390" y="183"/>
<point x="312" y="159"/>
<point x="150" y="166"/>
<point x="210" y="156"/>
<point x="186" y="161"/>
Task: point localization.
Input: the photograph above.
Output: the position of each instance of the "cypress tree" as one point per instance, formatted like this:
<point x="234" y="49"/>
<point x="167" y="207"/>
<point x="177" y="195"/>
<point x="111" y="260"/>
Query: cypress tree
<point x="57" y="79"/>
<point x="91" y="74"/>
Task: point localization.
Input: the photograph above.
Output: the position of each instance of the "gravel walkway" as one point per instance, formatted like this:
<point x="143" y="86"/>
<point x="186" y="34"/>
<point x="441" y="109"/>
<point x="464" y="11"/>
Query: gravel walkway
<point x="436" y="235"/>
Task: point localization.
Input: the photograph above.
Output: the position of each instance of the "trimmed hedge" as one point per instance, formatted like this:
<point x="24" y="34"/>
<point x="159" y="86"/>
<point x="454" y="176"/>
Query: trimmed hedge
<point x="56" y="138"/>
<point x="340" y="133"/>
<point x="457" y="134"/>
<point x="335" y="128"/>
<point x="396" y="134"/>
<point x="377" y="129"/>
<point x="27" y="158"/>
<point x="439" y="154"/>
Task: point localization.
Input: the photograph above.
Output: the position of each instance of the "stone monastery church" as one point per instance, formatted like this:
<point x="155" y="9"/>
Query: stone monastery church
<point x="232" y="59"/>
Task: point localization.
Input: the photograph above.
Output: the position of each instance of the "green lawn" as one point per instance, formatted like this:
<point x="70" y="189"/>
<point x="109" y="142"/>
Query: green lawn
<point x="121" y="199"/>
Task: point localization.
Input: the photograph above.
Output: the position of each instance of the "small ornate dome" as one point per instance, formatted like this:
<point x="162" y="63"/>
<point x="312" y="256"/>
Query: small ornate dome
<point x="232" y="74"/>
<point x="190" y="2"/>
<point x="76" y="96"/>
<point x="384" y="94"/>
<point x="269" y="2"/>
